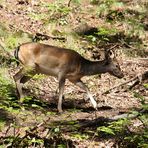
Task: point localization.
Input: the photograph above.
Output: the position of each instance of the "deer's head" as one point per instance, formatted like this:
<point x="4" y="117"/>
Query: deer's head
<point x="113" y="65"/>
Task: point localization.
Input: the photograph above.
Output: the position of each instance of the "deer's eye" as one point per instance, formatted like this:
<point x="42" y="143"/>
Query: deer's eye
<point x="117" y="66"/>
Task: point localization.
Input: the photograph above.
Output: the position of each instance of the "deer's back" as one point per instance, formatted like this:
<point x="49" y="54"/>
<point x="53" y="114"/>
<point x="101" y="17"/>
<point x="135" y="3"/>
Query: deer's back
<point x="50" y="59"/>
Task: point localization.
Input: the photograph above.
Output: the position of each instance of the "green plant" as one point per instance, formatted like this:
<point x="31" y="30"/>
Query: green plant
<point x="2" y="124"/>
<point x="11" y="42"/>
<point x="114" y="128"/>
<point x="80" y="136"/>
<point x="139" y="140"/>
<point x="57" y="10"/>
<point x="13" y="39"/>
<point x="135" y="28"/>
<point x="121" y="128"/>
<point x="5" y="85"/>
<point x="38" y="16"/>
<point x="103" y="34"/>
<point x="106" y="6"/>
<point x="3" y="30"/>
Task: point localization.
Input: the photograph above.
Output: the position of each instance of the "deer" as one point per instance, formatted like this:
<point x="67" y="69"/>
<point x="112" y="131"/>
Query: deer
<point x="39" y="58"/>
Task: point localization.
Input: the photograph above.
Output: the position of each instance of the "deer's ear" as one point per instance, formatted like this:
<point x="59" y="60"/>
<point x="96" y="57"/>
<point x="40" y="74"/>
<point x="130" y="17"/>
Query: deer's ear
<point x="111" y="54"/>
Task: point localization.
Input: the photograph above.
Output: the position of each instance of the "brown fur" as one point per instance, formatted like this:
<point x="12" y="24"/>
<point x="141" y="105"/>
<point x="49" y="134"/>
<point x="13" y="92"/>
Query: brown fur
<point x="62" y="63"/>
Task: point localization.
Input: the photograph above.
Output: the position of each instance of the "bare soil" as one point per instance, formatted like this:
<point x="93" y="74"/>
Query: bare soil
<point x="14" y="14"/>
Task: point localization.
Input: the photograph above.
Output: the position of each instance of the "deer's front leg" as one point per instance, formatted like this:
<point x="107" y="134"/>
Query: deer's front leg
<point x="85" y="88"/>
<point x="61" y="91"/>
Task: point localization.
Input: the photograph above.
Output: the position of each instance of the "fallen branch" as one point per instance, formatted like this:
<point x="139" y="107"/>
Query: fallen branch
<point x="109" y="90"/>
<point x="127" y="45"/>
<point x="42" y="37"/>
<point x="69" y="2"/>
<point x="137" y="80"/>
<point x="103" y="121"/>
<point x="127" y="115"/>
<point x="141" y="78"/>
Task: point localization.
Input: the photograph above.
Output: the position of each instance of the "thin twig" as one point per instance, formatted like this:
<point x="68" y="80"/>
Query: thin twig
<point x="69" y="2"/>
<point x="40" y="36"/>
<point x="124" y="43"/>
<point x="106" y="92"/>
<point x="113" y="47"/>
<point x="137" y="78"/>
<point x="100" y="120"/>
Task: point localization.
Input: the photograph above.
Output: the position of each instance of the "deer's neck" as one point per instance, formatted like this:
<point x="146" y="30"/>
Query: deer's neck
<point x="94" y="67"/>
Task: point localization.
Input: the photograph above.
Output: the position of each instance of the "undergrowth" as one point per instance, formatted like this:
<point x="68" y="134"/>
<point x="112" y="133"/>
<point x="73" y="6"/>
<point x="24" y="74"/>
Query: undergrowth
<point x="122" y="26"/>
<point x="127" y="133"/>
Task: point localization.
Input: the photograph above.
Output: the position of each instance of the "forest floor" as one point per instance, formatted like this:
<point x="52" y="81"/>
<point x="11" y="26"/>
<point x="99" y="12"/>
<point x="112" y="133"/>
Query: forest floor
<point x="77" y="125"/>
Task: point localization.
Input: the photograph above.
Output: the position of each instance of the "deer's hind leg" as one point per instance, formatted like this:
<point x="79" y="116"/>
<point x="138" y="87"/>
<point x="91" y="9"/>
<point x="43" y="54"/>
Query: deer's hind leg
<point x="21" y="77"/>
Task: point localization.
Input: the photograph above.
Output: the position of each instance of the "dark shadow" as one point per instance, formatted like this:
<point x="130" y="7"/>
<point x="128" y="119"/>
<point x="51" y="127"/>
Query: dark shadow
<point x="120" y="39"/>
<point x="82" y="126"/>
<point x="116" y="38"/>
<point x="50" y="102"/>
<point x="5" y="116"/>
<point x="79" y="104"/>
<point x="106" y="37"/>
<point x="100" y="121"/>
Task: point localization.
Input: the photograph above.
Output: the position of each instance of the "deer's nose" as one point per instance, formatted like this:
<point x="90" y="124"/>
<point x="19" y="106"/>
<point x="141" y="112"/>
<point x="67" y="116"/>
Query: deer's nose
<point x="121" y="75"/>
